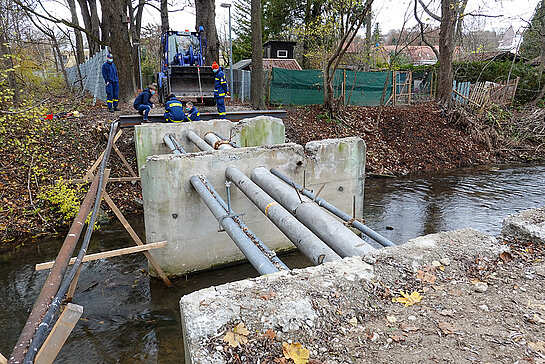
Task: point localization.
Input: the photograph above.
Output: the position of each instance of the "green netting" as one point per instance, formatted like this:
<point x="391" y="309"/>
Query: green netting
<point x="306" y="87"/>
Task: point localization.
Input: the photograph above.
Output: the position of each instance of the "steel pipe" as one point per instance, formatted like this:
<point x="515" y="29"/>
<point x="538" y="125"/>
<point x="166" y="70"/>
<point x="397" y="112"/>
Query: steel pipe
<point x="54" y="279"/>
<point x="304" y="239"/>
<point x="197" y="140"/>
<point x="255" y="256"/>
<point x="235" y="145"/>
<point x="329" y="207"/>
<point x="172" y="143"/>
<point x="269" y="253"/>
<point x="216" y="142"/>
<point x="40" y="335"/>
<point x="343" y="241"/>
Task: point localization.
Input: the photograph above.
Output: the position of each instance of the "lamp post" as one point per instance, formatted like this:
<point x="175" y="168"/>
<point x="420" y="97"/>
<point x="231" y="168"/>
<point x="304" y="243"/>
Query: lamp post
<point x="231" y="88"/>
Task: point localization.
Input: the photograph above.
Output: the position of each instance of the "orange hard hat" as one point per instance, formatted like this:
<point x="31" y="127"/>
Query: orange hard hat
<point x="215" y="66"/>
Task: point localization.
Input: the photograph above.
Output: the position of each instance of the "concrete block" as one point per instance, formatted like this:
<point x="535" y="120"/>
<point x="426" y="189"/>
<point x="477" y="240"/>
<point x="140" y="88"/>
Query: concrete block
<point x="300" y="297"/>
<point x="529" y="225"/>
<point x="174" y="212"/>
<point x="261" y="130"/>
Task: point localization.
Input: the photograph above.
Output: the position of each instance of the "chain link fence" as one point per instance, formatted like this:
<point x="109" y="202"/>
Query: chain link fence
<point x="91" y="76"/>
<point x="241" y="84"/>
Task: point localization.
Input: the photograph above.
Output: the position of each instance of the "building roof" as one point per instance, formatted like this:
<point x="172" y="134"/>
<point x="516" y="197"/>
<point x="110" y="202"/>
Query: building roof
<point x="279" y="41"/>
<point x="491" y="56"/>
<point x="269" y="63"/>
<point x="417" y="54"/>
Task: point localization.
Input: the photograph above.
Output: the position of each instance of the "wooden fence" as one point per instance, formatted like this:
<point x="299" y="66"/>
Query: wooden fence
<point x="481" y="94"/>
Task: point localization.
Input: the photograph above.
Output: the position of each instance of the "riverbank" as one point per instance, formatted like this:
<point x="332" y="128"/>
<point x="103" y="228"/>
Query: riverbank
<point x="37" y="152"/>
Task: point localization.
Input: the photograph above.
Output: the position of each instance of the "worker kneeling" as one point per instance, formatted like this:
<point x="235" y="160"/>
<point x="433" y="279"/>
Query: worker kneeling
<point x="174" y="111"/>
<point x="143" y="102"/>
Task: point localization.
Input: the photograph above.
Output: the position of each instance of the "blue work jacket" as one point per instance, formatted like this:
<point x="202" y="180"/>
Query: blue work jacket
<point x="194" y="115"/>
<point x="174" y="110"/>
<point x="109" y="72"/>
<point x="220" y="85"/>
<point x="143" y="99"/>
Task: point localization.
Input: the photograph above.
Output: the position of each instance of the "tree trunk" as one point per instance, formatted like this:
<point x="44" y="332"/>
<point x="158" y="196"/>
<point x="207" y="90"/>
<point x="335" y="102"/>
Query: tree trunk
<point x="446" y="50"/>
<point x="80" y="55"/>
<point x="329" y="96"/>
<point x="115" y="12"/>
<point x="206" y="16"/>
<point x="95" y="23"/>
<point x="6" y="57"/>
<point x="368" y="35"/>
<point x="91" y="22"/>
<point x="136" y="28"/>
<point x="57" y="51"/>
<point x="256" y="88"/>
<point x="165" y="27"/>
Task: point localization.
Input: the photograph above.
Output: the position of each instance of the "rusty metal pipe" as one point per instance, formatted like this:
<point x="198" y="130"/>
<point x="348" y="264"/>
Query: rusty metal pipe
<point x="54" y="279"/>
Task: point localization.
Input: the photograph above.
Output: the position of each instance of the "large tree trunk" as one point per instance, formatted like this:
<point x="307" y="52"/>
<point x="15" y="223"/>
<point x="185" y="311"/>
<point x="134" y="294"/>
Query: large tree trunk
<point x="136" y="28"/>
<point x="165" y="27"/>
<point x="329" y="96"/>
<point x="6" y="57"/>
<point x="80" y="55"/>
<point x="368" y="34"/>
<point x="446" y="51"/>
<point x="256" y="88"/>
<point x="115" y="12"/>
<point x="206" y="16"/>
<point x="57" y="51"/>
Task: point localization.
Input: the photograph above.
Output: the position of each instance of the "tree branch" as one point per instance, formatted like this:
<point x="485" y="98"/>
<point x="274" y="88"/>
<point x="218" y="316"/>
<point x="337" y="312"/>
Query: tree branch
<point x="422" y="31"/>
<point x="428" y="11"/>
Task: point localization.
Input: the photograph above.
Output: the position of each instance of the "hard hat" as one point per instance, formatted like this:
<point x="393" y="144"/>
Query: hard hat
<point x="215" y="66"/>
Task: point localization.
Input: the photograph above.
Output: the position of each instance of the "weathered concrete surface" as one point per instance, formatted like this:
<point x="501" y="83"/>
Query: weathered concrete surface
<point x="174" y="212"/>
<point x="258" y="131"/>
<point x="529" y="225"/>
<point x="291" y="310"/>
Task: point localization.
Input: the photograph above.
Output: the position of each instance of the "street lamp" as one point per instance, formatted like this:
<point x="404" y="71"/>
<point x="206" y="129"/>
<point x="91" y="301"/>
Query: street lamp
<point x="228" y="6"/>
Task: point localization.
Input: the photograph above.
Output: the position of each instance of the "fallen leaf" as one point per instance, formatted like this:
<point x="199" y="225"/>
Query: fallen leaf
<point x="537" y="346"/>
<point x="295" y="352"/>
<point x="407" y="327"/>
<point x="506" y="256"/>
<point x="237" y="336"/>
<point x="425" y="277"/>
<point x="408" y="300"/>
<point x="241" y="329"/>
<point x="397" y="338"/>
<point x="270" y="334"/>
<point x="230" y="339"/>
<point x="455" y="292"/>
<point x="267" y="295"/>
<point x="446" y="328"/>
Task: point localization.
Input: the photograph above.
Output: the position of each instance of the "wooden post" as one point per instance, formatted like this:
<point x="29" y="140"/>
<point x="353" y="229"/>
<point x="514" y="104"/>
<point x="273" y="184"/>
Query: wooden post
<point x="394" y="88"/>
<point x="58" y="335"/>
<point x="410" y="85"/>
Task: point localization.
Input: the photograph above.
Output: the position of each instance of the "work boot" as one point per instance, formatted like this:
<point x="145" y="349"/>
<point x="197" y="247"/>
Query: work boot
<point x="117" y="109"/>
<point x="110" y="110"/>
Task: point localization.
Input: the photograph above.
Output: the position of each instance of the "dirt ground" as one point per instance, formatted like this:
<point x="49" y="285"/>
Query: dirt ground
<point x="474" y="308"/>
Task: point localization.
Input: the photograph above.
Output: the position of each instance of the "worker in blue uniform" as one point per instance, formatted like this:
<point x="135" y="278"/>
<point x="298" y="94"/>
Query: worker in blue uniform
<point x="174" y="110"/>
<point x="109" y="73"/>
<point x="143" y="102"/>
<point x="221" y="89"/>
<point x="193" y="113"/>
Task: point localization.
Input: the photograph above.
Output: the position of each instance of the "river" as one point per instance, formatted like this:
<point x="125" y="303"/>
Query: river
<point x="130" y="318"/>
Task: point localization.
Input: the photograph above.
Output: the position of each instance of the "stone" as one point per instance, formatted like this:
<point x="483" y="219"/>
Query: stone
<point x="369" y="259"/>
<point x="436" y="263"/>
<point x="411" y="318"/>
<point x="444" y="261"/>
<point x="484" y="308"/>
<point x="529" y="225"/>
<point x="480" y="287"/>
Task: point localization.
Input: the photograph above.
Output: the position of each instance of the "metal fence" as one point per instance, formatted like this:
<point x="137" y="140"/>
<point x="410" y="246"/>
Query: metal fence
<point x="91" y="75"/>
<point x="241" y="83"/>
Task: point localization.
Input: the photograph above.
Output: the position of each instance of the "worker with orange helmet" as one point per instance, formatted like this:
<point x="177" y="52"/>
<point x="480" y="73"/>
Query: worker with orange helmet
<point x="221" y="89"/>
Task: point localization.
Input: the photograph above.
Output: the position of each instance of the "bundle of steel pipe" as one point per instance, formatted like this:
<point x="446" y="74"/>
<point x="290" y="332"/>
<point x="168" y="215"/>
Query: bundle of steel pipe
<point x="254" y="255"/>
<point x="329" y="207"/>
<point x="265" y="249"/>
<point x="304" y="239"/>
<point x="343" y="241"/>
<point x="173" y="144"/>
<point x="197" y="140"/>
<point x="216" y="142"/>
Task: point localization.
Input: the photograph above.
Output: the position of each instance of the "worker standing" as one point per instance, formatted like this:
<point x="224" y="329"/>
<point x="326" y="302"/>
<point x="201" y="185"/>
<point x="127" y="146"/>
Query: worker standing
<point x="221" y="89"/>
<point x="109" y="73"/>
<point x="143" y="102"/>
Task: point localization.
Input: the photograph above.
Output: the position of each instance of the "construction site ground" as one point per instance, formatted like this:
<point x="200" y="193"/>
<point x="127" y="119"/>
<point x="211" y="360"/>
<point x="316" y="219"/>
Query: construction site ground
<point x="403" y="140"/>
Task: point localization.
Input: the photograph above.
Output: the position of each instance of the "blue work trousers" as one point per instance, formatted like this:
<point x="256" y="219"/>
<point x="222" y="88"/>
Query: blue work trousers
<point x="220" y="103"/>
<point x="112" y="94"/>
<point x="144" y="110"/>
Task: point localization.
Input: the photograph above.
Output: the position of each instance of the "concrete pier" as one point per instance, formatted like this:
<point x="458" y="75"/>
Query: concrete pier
<point x="328" y="308"/>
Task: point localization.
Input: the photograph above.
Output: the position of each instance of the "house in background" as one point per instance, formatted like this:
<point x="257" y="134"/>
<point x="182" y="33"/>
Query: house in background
<point x="510" y="41"/>
<point x="277" y="54"/>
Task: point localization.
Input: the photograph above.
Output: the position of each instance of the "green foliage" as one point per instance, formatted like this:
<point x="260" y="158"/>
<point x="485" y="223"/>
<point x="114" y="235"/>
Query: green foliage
<point x="64" y="199"/>
<point x="530" y="82"/>
<point x="531" y="47"/>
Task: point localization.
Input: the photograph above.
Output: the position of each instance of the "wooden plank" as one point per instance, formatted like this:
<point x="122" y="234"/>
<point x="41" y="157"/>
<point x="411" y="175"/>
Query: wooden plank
<point x="58" y="335"/>
<point x="3" y="359"/>
<point x="136" y="238"/>
<point x="89" y="173"/>
<point x="123" y="159"/>
<point x="109" y="254"/>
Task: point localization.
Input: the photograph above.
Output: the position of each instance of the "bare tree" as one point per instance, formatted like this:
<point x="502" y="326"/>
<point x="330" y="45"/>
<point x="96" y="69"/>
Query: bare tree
<point x="256" y="90"/>
<point x="80" y="56"/>
<point x="206" y="16"/>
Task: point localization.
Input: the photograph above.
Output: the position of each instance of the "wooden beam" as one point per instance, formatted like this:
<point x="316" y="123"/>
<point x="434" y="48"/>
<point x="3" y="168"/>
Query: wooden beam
<point x="109" y="254"/>
<point x="113" y="179"/>
<point x="3" y="359"/>
<point x="89" y="173"/>
<point x="58" y="335"/>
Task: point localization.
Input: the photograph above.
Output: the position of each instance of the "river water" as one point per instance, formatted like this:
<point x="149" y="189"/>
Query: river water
<point x="131" y="318"/>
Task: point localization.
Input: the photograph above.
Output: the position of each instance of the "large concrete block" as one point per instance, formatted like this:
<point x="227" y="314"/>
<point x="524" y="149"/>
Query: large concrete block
<point x="174" y="212"/>
<point x="529" y="225"/>
<point x="261" y="130"/>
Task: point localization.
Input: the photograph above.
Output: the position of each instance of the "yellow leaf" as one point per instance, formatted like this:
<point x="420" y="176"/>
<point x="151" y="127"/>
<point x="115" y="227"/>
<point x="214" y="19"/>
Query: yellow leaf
<point x="295" y="352"/>
<point x="237" y="336"/>
<point x="230" y="338"/>
<point x="408" y="300"/>
<point x="241" y="329"/>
